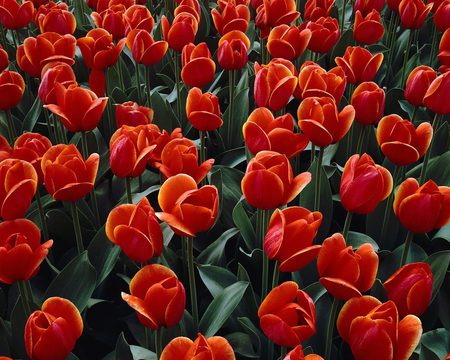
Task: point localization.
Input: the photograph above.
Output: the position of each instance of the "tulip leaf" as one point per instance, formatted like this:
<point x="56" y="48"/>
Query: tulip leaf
<point x="18" y="321"/>
<point x="254" y="332"/>
<point x="439" y="263"/>
<point x="243" y="223"/>
<point x="438" y="169"/>
<point x="221" y="308"/>
<point x="443" y="233"/>
<point x="315" y="290"/>
<point x="214" y="254"/>
<point x="437" y="342"/>
<point x="76" y="282"/>
<point x="32" y="116"/>
<point x="356" y="239"/>
<point x="216" y="278"/>
<point x="242" y="345"/>
<point x="123" y="351"/>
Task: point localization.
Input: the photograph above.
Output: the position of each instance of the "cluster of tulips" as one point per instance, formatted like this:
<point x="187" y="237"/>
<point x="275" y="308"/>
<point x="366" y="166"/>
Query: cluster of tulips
<point x="306" y="101"/>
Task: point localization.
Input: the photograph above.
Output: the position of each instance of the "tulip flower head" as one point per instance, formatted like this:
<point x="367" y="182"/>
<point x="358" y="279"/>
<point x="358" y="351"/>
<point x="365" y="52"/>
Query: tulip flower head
<point x="12" y="87"/>
<point x="144" y="49"/>
<point x="369" y="29"/>
<point x="437" y="97"/>
<point x="181" y="32"/>
<point x="231" y="17"/>
<point x="359" y="64"/>
<point x="15" y="15"/>
<point x="288" y="42"/>
<point x="368" y="99"/>
<point x="130" y="113"/>
<point x="55" y="17"/>
<point x="203" y="111"/>
<point x="61" y="73"/>
<point x="417" y="84"/>
<point x="198" y="68"/>
<point x="325" y="34"/>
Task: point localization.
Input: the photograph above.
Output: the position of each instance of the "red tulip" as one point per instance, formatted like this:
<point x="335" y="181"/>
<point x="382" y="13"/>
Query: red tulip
<point x="315" y="9"/>
<point x="435" y="3"/>
<point x="367" y="6"/>
<point x="417" y="84"/>
<point x="441" y="17"/>
<point x="154" y="136"/>
<point x="273" y="13"/>
<point x="198" y="68"/>
<point x="444" y="52"/>
<point x="102" y="5"/>
<point x="15" y="15"/>
<point x="144" y="49"/>
<point x="364" y="184"/>
<point x="4" y="61"/>
<point x="413" y="13"/>
<point x="271" y="170"/>
<point x="182" y="31"/>
<point x="422" y="209"/>
<point x="437" y="97"/>
<point x="59" y="73"/>
<point x="138" y="17"/>
<point x="297" y="354"/>
<point x="288" y="42"/>
<point x="203" y="111"/>
<point x="232" y="55"/>
<point x="368" y="100"/>
<point x="132" y="114"/>
<point x="369" y="29"/>
<point x="324" y="34"/>
<point x="359" y="64"/>
<point x="112" y="20"/>
<point x="55" y="17"/>
<point x="188" y="6"/>
<point x="232" y="17"/>
<point x="12" y="88"/>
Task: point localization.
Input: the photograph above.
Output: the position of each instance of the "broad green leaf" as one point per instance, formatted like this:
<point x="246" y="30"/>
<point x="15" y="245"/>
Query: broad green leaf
<point x="123" y="351"/>
<point x="32" y="116"/>
<point x="242" y="345"/>
<point x="214" y="254"/>
<point x="437" y="342"/>
<point x="243" y="223"/>
<point x="356" y="239"/>
<point x="439" y="265"/>
<point x="216" y="278"/>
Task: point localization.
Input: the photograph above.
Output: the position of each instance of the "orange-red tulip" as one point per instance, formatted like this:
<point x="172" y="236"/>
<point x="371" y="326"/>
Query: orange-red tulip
<point x="271" y="170"/>
<point x="359" y="64"/>
<point x="187" y="209"/>
<point x="444" y="52"/>
<point x="132" y="114"/>
<point x="400" y="142"/>
<point x="343" y="272"/>
<point x="413" y="13"/>
<point x="138" y="17"/>
<point x="288" y="42"/>
<point x="435" y="3"/>
<point x="324" y="34"/>
<point x="12" y="88"/>
<point x="51" y="333"/>
<point x="67" y="176"/>
<point x="437" y="97"/>
<point x="232" y="55"/>
<point x="188" y="6"/>
<point x="366" y="6"/>
<point x="19" y="182"/>
<point x="198" y="67"/>
<point x="55" y="17"/>
<point x="31" y="147"/>
<point x="422" y="209"/>
<point x="135" y="229"/>
<point x="160" y="139"/>
<point x="287" y="315"/>
<point x="297" y="354"/>
<point x="315" y="9"/>
<point x="290" y="235"/>
<point x="203" y="111"/>
<point x="442" y="16"/>
<point x="232" y="17"/>
<point x="182" y="31"/>
<point x="112" y="20"/>
<point x="417" y="84"/>
<point x="15" y="15"/>
<point x="263" y="131"/>
<point x="21" y="251"/>
<point x="374" y="330"/>
<point x="102" y="5"/>
<point x="78" y="108"/>
<point x="410" y="287"/>
<point x="364" y="184"/>
<point x="273" y="13"/>
<point x="144" y="49"/>
<point x="59" y="73"/>
<point x="369" y="29"/>
<point x="368" y="99"/>
<point x="319" y="119"/>
<point x="5" y="149"/>
<point x="215" y="347"/>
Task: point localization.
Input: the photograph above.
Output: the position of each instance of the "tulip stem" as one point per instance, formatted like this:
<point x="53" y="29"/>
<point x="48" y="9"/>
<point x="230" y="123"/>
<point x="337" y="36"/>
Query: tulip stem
<point x="192" y="287"/>
<point x="148" y="87"/>
<point x="24" y="296"/>
<point x="408" y="240"/>
<point x="361" y="138"/>
<point x="177" y="64"/>
<point x="433" y="45"/>
<point x="276" y="274"/>
<point x="317" y="180"/>
<point x="49" y="125"/>
<point x="119" y="72"/>
<point x="231" y="74"/>
<point x="261" y="225"/>
<point x="283" y="352"/>
<point x="138" y="83"/>
<point x="414" y="114"/>
<point x="330" y="328"/>
<point x="11" y="127"/>
<point x="423" y="171"/>
<point x="42" y="215"/>
<point x="344" y="5"/>
<point x="391" y="39"/>
<point x="158" y="342"/>
<point x="202" y="156"/>
<point x="406" y="56"/>
<point x="77" y="227"/>
<point x="128" y="190"/>
<point x="348" y="221"/>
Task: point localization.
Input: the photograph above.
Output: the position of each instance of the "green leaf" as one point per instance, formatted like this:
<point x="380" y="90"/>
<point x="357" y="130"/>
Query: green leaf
<point x="214" y="254"/>
<point x="123" y="351"/>
<point x="76" y="282"/>
<point x="216" y="278"/>
<point x="356" y="239"/>
<point x="32" y="116"/>
<point x="437" y="342"/>
<point x="439" y="265"/>
<point x="443" y="233"/>
<point x="254" y="332"/>
<point x="221" y="308"/>
<point x="315" y="290"/>
<point x="242" y="345"/>
<point x="243" y="223"/>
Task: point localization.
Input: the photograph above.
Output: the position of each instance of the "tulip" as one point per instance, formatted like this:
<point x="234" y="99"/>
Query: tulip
<point x="290" y="235"/>
<point x="422" y="209"/>
<point x="56" y="18"/>
<point x="138" y="17"/>
<point x="324" y="34"/>
<point x="187" y="209"/>
<point x="198" y="68"/>
<point x="437" y="97"/>
<point x="400" y="142"/>
<point x="102" y="5"/>
<point x="60" y="73"/>
<point x="444" y="52"/>
<point x="144" y="49"/>
<point x="315" y="9"/>
<point x="417" y="84"/>
<point x="435" y="3"/>
<point x="51" y="333"/>
<point x="188" y="6"/>
<point x="203" y="111"/>
<point x="4" y="61"/>
<point x="112" y="20"/>
<point x="15" y="15"/>
<point x="12" y="88"/>
<point x="79" y="109"/>
<point x="273" y="13"/>
<point x="215" y="347"/>
<point x="319" y="119"/>
<point x="263" y="131"/>
<point x="46" y="49"/>
<point x="367" y="6"/>
<point x="359" y="64"/>
<point x="67" y="176"/>
<point x="410" y="288"/>
<point x="271" y="170"/>
<point x="5" y="149"/>
<point x="288" y="42"/>
<point x="364" y="184"/>
<point x="154" y="136"/>
<point x="232" y="55"/>
<point x="374" y="330"/>
<point x="232" y="17"/>
<point x="413" y="13"/>
<point x="441" y="17"/>
<point x="132" y="114"/>
<point x="182" y="31"/>
<point x="368" y="100"/>
<point x="297" y="354"/>
<point x="369" y="29"/>
<point x="287" y="315"/>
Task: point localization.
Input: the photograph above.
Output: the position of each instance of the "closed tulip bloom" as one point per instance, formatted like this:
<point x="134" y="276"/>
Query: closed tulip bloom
<point x="144" y="49"/>
<point x="444" y="52"/>
<point x="181" y="32"/>
<point x="215" y="347"/>
<point x="368" y="99"/>
<point x="435" y="3"/>
<point x="12" y="88"/>
<point x="374" y="330"/>
<point x="232" y="55"/>
<point x="290" y="235"/>
<point x="15" y="15"/>
<point x="366" y="6"/>
<point x="410" y="288"/>
<point x="21" y="251"/>
<point x="437" y="97"/>
<point x="315" y="9"/>
<point x="271" y="170"/>
<point x="297" y="354"/>
<point x="319" y="119"/>
<point x="232" y="17"/>
<point x="324" y="34"/>
<point x="59" y="73"/>
<point x="263" y="131"/>
<point x="112" y="20"/>
<point x="48" y="48"/>
<point x="287" y="315"/>
<point x="274" y="85"/>
<point x="78" y="108"/>
<point x="18" y="181"/>
<point x="288" y="42"/>
<point x="135" y="229"/>
<point x="273" y="13"/>
<point x="441" y="17"/>
<point x="198" y="67"/>
<point x="160" y="139"/>
<point x="130" y="113"/>
<point x="369" y="29"/>
<point x="67" y="176"/>
<point x="364" y="184"/>
<point x="413" y="13"/>
<point x="5" y="149"/>
<point x="52" y="332"/>
<point x="188" y="6"/>
<point x="422" y="209"/>
<point x="346" y="273"/>
<point x="56" y="18"/>
<point x="31" y="147"/>
<point x="417" y="84"/>
<point x="138" y="17"/>
<point x="187" y="209"/>
<point x="359" y="64"/>
<point x="102" y="5"/>
<point x="400" y="142"/>
<point x="203" y="111"/>
<point x="181" y="156"/>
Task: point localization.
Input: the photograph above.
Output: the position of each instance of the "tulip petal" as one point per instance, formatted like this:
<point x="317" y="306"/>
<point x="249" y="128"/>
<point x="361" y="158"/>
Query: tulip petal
<point x="340" y="289"/>
<point x="60" y="307"/>
<point x="177" y="348"/>
<point x="278" y="331"/>
<point x="134" y="243"/>
<point x="140" y="306"/>
<point x="172" y="189"/>
<point x="221" y="348"/>
<point x="409" y="333"/>
<point x="300" y="259"/>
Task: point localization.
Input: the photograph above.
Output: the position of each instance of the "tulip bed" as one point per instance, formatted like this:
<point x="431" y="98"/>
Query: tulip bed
<point x="246" y="179"/>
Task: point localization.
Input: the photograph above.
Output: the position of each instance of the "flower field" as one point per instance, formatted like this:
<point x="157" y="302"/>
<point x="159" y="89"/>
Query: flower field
<point x="240" y="179"/>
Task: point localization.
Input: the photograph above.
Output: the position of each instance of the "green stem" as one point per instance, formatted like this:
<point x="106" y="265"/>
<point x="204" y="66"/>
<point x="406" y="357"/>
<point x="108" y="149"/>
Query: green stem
<point x="177" y="62"/>
<point x="433" y="45"/>
<point x="119" y="72"/>
<point x="344" y="5"/>
<point x="202" y="156"/>
<point x="192" y="286"/>
<point x="84" y="145"/>
<point x="24" y="296"/>
<point x="148" y="87"/>
<point x="348" y="221"/>
<point x="11" y="127"/>
<point x="261" y="225"/>
<point x="77" y="227"/>
<point x="313" y="153"/>
<point x="138" y="83"/>
<point x="51" y="134"/>
<point x="317" y="180"/>
<point x="42" y="215"/>
<point x="128" y="190"/>
<point x="93" y="198"/>
<point x="231" y="75"/>
<point x="147" y="337"/>
<point x="158" y="342"/>
<point x="283" y="352"/>
<point x="391" y="41"/>
<point x="414" y="114"/>
<point x="406" y="57"/>
<point x="276" y="275"/>
<point x="361" y="138"/>
<point x="423" y="171"/>
<point x="330" y="329"/>
<point x="408" y="240"/>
